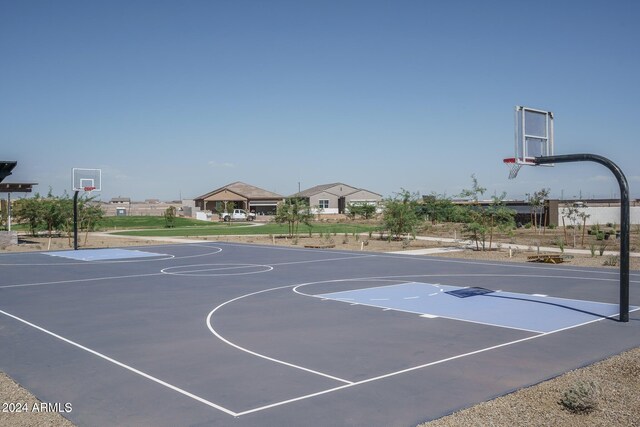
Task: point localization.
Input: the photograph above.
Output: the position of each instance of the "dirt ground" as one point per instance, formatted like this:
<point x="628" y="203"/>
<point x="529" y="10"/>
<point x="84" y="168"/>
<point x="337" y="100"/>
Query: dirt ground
<point x="617" y="380"/>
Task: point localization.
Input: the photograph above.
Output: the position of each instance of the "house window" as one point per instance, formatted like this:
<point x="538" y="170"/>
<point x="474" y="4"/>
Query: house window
<point x="323" y="204"/>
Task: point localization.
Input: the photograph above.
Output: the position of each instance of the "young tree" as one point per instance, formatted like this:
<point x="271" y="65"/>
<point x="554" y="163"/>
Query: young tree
<point x="583" y="216"/>
<point x="499" y="216"/>
<point x="170" y="217"/>
<point x="536" y="203"/>
<point x="293" y="212"/>
<point x="400" y="215"/>
<point x="572" y="214"/>
<point x="477" y="226"/>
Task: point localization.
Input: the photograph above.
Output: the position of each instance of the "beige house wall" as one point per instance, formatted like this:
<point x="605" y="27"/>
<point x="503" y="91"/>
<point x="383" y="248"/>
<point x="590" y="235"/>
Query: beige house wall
<point x="314" y="201"/>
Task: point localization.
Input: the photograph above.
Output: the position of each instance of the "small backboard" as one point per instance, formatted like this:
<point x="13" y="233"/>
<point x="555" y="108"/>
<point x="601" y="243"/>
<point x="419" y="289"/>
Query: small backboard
<point x="533" y="138"/>
<point x="87" y="179"/>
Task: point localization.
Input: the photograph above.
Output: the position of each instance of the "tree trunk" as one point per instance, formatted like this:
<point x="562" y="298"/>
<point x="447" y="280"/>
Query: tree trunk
<point x="491" y="233"/>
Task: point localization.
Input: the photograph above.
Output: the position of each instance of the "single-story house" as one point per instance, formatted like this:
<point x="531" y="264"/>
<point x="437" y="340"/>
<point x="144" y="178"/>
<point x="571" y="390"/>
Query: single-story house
<point x="334" y="198"/>
<point x="120" y="201"/>
<point x="239" y="195"/>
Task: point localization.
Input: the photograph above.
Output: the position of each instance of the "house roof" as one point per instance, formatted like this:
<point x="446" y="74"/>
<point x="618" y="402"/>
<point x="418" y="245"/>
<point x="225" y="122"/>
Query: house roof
<point x="245" y="190"/>
<point x="317" y="189"/>
<point x="363" y="189"/>
<point x="324" y="187"/>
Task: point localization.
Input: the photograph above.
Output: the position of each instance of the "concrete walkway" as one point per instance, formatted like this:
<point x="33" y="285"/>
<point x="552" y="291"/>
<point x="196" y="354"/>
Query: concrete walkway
<point x="455" y="245"/>
<point x="464" y="244"/>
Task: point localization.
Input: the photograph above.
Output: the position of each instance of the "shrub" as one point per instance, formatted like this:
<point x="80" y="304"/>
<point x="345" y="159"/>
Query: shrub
<point x="611" y="261"/>
<point x="581" y="397"/>
<point x="560" y="244"/>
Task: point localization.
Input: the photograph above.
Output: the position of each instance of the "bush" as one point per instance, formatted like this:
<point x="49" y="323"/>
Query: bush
<point x="611" y="261"/>
<point x="581" y="397"/>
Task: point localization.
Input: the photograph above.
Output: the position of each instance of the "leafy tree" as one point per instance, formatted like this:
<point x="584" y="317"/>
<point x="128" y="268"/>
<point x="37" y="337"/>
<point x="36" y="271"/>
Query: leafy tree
<point x="572" y="214"/>
<point x="477" y="226"/>
<point x="55" y="214"/>
<point x="170" y="217"/>
<point x="4" y="214"/>
<point x="400" y="215"/>
<point x="439" y="208"/>
<point x="52" y="213"/>
<point x="536" y="203"/>
<point x="500" y="216"/>
<point x="365" y="210"/>
<point x="583" y="216"/>
<point x="29" y="211"/>
<point x="90" y="214"/>
<point x="293" y="212"/>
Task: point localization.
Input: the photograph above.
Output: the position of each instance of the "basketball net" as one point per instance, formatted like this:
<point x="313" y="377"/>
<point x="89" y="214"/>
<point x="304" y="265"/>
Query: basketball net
<point x="514" y="166"/>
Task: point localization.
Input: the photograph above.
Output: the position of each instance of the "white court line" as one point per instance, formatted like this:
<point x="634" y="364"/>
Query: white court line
<point x="123" y="261"/>
<point x="419" y="313"/>
<point x="253" y="353"/>
<point x="122" y="365"/>
<point x="213" y="272"/>
<point x="324" y="260"/>
<point x="437" y="259"/>
<point x="506" y="264"/>
<point x="414" y="368"/>
<point x="90" y="279"/>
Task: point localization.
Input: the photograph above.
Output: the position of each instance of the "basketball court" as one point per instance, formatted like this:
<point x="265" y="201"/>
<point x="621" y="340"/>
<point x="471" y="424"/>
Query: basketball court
<point x="231" y="334"/>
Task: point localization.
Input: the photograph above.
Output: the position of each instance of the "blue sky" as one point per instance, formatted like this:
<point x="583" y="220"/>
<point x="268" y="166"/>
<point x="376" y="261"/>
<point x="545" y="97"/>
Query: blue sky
<point x="175" y="98"/>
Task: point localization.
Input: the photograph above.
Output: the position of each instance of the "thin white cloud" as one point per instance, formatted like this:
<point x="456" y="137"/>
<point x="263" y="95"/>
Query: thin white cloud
<point x="216" y="164"/>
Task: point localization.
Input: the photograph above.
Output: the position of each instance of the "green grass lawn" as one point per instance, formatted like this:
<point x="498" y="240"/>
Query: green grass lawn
<point x="202" y="228"/>
<point x="123" y="222"/>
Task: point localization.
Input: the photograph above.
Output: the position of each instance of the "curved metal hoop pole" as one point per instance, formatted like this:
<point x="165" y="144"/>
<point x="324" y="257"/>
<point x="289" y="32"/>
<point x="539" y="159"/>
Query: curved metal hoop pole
<point x="624" y="217"/>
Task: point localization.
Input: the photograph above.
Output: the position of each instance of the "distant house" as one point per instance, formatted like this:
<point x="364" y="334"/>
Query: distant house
<point x="334" y="198"/>
<point x="239" y="195"/>
<point x="120" y="201"/>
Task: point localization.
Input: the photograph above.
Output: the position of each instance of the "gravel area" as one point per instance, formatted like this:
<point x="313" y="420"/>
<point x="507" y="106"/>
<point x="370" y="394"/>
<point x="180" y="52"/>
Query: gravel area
<point x="616" y="400"/>
<point x="617" y="380"/>
<point x="21" y="409"/>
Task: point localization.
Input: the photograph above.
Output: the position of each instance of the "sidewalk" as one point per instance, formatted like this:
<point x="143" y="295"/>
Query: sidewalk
<point x="460" y="244"/>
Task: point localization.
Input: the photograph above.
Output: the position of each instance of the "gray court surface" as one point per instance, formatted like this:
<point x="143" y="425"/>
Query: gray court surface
<point x="223" y="334"/>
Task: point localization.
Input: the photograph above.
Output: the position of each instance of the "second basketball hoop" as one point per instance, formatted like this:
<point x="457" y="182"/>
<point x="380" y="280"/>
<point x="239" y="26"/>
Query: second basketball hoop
<point x="533" y="138"/>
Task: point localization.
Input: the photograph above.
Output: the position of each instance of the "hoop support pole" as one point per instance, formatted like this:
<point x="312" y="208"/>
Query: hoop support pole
<point x="624" y="217"/>
<point x="75" y="220"/>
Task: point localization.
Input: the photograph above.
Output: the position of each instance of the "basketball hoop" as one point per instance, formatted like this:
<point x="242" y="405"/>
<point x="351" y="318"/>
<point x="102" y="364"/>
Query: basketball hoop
<point x="514" y="165"/>
<point x="89" y="189"/>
